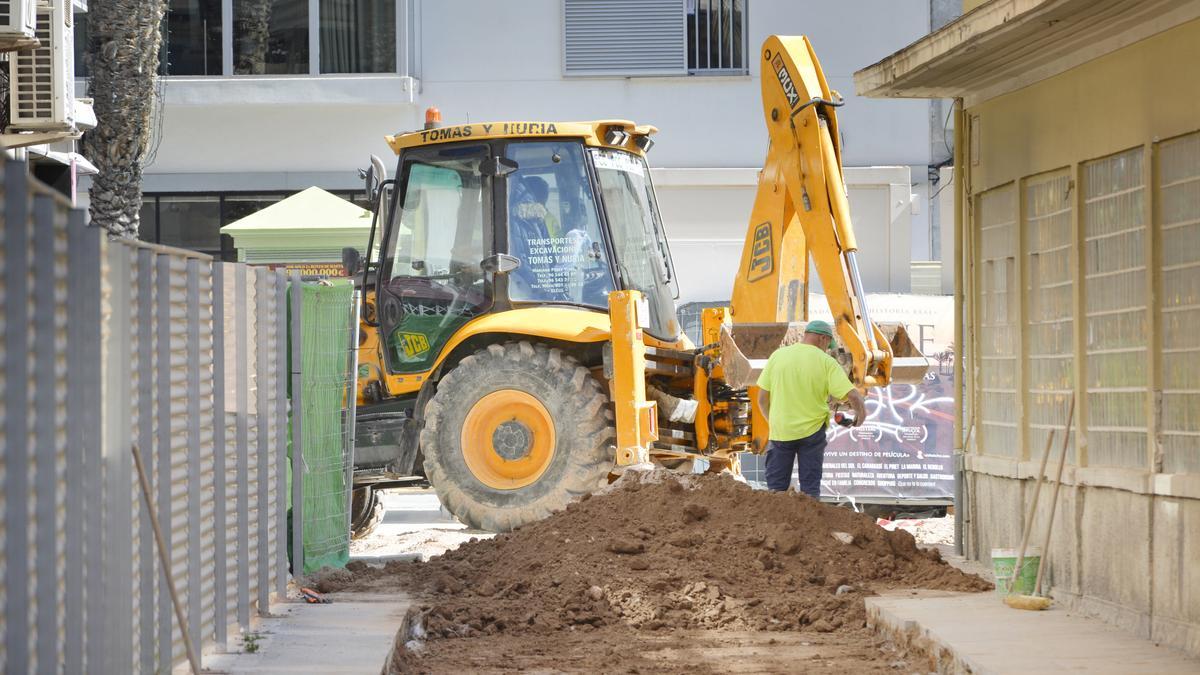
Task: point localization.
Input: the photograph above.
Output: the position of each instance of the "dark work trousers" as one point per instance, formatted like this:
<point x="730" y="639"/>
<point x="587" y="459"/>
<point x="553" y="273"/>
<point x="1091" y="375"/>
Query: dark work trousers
<point x="808" y="451"/>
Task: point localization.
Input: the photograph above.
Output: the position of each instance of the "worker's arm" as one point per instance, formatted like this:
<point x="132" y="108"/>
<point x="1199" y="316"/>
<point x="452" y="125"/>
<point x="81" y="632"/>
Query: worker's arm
<point x="837" y="381"/>
<point x="764" y="403"/>
<point x="856" y="401"/>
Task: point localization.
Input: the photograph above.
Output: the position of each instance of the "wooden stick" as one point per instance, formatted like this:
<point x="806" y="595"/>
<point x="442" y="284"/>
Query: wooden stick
<point x="165" y="560"/>
<point x="1037" y="490"/>
<point x="1062" y="460"/>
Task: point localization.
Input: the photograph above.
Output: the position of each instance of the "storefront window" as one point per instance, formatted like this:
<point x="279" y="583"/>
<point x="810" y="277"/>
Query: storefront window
<point x="148" y="221"/>
<point x="240" y="206"/>
<point x="194" y="221"/>
<point x="270" y="37"/>
<point x="190" y="222"/>
<point x="358" y="36"/>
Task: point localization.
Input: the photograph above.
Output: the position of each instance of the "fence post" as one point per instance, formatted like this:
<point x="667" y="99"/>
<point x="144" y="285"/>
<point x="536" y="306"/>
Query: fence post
<point x="162" y="283"/>
<point x="297" y="430"/>
<point x="281" y="423"/>
<point x="194" y="590"/>
<point x="17" y="414"/>
<point x="351" y="406"/>
<point x="261" y="408"/>
<point x="117" y="476"/>
<point x="82" y="280"/>
<point x="147" y="626"/>
<point x="45" y="449"/>
<point x="220" y="503"/>
<point x="89" y="380"/>
<point x="242" y="384"/>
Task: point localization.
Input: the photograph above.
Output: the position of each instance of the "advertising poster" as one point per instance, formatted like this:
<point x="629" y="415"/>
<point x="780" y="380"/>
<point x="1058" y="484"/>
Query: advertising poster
<point x="904" y="451"/>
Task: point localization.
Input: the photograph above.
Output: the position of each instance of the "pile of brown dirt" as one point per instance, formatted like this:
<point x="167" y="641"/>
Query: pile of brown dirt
<point x="660" y="552"/>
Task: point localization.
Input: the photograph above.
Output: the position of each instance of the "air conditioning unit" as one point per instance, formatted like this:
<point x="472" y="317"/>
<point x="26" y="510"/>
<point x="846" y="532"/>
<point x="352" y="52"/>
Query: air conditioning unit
<point x="42" y="80"/>
<point x="17" y="24"/>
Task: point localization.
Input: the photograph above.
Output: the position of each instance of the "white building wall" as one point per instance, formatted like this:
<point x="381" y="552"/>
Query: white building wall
<point x="482" y="60"/>
<point x="707" y="211"/>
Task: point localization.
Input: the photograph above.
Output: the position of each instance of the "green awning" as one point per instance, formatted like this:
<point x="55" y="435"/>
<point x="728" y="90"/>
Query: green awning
<point x="310" y="226"/>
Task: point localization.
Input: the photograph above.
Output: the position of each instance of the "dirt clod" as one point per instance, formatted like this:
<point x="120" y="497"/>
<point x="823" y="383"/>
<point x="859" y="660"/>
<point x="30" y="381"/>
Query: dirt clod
<point x="626" y="546"/>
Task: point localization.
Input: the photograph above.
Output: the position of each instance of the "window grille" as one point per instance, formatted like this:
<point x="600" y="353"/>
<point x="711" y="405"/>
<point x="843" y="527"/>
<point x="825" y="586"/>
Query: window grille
<point x="998" y="321"/>
<point x="654" y="37"/>
<point x="1049" y="239"/>
<point x="1114" y="265"/>
<point x="716" y="36"/>
<point x="1179" y="229"/>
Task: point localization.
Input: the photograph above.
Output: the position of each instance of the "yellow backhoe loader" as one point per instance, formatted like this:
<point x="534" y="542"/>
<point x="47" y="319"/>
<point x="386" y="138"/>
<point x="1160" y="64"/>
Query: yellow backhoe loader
<point x="519" y="339"/>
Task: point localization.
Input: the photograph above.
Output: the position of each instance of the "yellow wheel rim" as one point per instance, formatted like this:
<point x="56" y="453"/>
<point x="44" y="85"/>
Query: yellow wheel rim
<point x="508" y="439"/>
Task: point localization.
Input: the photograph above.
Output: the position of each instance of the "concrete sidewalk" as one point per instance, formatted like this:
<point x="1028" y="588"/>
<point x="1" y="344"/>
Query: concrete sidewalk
<point x="977" y="633"/>
<point x="351" y="635"/>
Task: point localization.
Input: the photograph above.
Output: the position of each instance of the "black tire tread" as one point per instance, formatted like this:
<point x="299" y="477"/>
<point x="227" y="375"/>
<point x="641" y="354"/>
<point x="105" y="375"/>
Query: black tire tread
<point x="588" y="452"/>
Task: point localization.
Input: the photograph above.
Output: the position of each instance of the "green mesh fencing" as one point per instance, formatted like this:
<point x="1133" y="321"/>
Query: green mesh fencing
<point x="325" y="328"/>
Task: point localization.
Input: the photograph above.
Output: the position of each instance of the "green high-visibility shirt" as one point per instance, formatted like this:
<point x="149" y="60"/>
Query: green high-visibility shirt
<point x="801" y="378"/>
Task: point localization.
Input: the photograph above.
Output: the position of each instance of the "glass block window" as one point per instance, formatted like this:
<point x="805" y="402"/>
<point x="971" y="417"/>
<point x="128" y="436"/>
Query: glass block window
<point x="1049" y="292"/>
<point x="1114" y="265"/>
<point x="998" y="288"/>
<point x="1179" y="217"/>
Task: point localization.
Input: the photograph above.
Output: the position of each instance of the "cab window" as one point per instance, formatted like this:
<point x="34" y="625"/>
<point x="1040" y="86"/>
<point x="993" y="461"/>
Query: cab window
<point x="553" y="228"/>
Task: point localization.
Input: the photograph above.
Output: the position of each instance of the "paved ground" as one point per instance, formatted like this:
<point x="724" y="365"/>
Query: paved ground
<point x="977" y="633"/>
<point x="351" y="635"/>
<point x="414" y="525"/>
<point x="354" y="634"/>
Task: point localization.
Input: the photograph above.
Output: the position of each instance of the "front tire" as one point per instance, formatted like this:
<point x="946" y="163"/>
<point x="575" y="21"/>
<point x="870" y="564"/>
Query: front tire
<point x="515" y="432"/>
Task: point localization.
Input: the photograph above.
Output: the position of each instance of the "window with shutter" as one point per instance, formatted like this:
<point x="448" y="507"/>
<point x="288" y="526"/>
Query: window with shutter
<point x="625" y="37"/>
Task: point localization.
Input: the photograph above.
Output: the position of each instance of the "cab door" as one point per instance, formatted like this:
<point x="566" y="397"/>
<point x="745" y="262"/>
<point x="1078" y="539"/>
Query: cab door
<point x="431" y="282"/>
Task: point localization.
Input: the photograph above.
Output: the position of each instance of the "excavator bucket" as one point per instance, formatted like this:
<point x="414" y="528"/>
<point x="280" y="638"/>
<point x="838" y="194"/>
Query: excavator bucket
<point x="909" y="365"/>
<point x="745" y="348"/>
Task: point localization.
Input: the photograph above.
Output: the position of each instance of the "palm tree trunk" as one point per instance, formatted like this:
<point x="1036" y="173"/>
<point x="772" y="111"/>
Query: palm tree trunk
<point x="123" y="45"/>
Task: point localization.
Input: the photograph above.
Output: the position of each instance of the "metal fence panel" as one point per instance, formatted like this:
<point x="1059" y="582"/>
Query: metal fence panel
<point x="164" y="352"/>
<point x="145" y="565"/>
<point x="49" y="270"/>
<point x="115" y="561"/>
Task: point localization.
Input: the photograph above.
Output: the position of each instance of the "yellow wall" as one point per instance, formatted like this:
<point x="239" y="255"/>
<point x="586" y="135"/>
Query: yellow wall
<point x="1133" y="96"/>
<point x="969" y="5"/>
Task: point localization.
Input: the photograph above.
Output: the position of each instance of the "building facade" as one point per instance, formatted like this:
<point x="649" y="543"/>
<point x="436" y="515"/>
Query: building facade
<point x="1078" y="205"/>
<point x="264" y="98"/>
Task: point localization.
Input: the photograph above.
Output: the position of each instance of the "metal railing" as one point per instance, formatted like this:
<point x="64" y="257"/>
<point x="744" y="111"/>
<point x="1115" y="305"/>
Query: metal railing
<point x="109" y="348"/>
<point x="716" y="40"/>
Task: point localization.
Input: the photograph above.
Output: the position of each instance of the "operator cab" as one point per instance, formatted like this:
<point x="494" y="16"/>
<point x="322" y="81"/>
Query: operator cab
<point x="485" y="218"/>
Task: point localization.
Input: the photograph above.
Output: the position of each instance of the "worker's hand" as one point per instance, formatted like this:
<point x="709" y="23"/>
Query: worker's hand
<point x="860" y="407"/>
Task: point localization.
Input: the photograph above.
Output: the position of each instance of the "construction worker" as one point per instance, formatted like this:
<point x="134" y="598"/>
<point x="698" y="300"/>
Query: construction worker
<point x="794" y="392"/>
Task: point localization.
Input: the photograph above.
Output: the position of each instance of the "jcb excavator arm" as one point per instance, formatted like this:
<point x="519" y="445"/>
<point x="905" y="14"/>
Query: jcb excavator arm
<point x="801" y="209"/>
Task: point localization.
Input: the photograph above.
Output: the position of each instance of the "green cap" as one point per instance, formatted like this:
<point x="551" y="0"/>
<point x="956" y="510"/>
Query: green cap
<point x="819" y="327"/>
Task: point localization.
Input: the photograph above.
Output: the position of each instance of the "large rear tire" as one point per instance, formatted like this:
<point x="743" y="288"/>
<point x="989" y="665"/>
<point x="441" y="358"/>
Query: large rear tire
<point x="515" y="432"/>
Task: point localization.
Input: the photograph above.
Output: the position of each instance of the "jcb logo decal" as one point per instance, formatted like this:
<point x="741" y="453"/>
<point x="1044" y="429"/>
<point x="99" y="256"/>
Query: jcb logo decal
<point x="785" y="79"/>
<point x="413" y="344"/>
<point x="761" y="253"/>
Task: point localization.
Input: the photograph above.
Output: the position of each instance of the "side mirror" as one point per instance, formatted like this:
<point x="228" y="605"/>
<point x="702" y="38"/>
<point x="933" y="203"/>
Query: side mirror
<point x="351" y="261"/>
<point x="373" y="176"/>
<point x="501" y="263"/>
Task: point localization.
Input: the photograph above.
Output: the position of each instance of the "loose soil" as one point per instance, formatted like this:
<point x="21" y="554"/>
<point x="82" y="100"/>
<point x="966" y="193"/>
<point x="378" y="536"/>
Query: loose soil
<point x="660" y="572"/>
